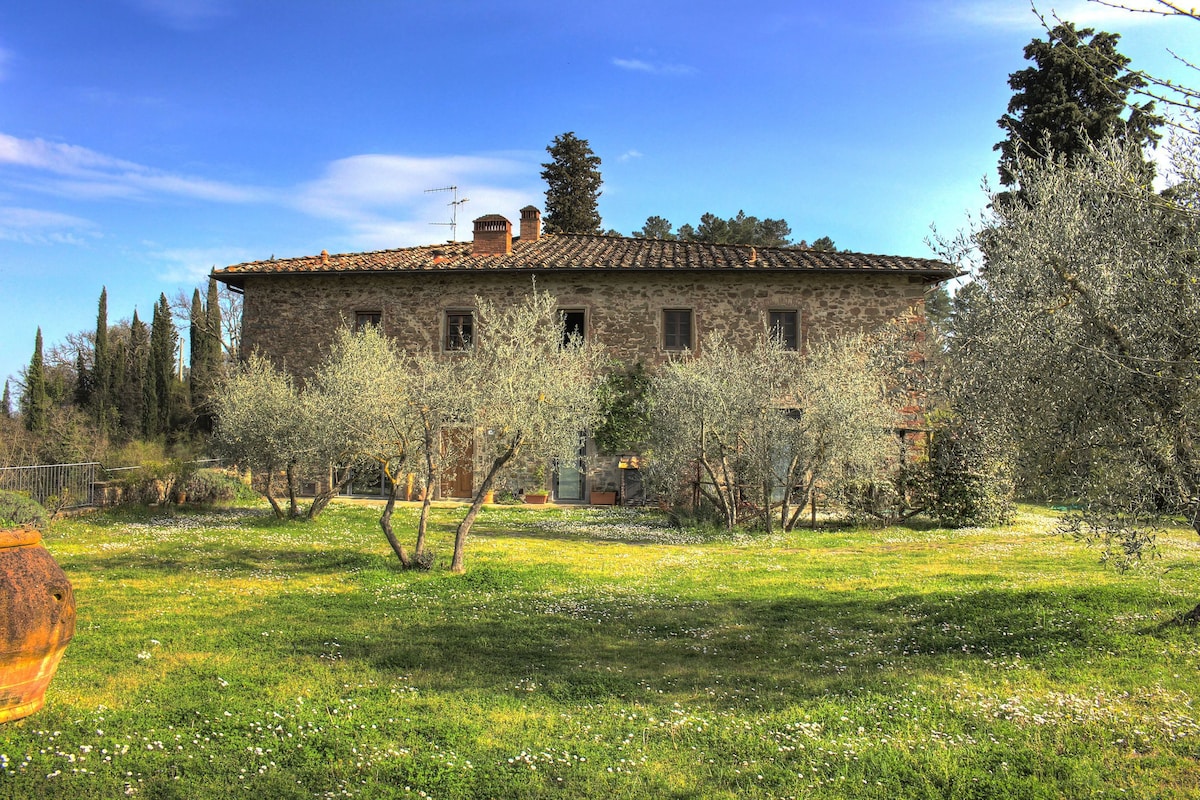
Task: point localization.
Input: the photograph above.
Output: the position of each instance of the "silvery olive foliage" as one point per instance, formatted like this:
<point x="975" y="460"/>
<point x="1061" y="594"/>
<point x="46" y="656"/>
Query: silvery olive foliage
<point x="341" y="419"/>
<point x="1082" y="334"/>
<point x="759" y="430"/>
<point x="529" y="392"/>
<point x="261" y="424"/>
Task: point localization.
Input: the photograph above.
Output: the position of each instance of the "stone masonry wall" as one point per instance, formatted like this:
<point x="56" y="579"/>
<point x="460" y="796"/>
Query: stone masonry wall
<point x="291" y="318"/>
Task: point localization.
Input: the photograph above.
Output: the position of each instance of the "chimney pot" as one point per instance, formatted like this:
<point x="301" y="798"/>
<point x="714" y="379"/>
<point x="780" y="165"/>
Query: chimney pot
<point x="531" y="224"/>
<point x="493" y="236"/>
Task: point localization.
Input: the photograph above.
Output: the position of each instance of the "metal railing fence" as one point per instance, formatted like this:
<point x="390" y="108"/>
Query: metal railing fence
<point x="71" y="484"/>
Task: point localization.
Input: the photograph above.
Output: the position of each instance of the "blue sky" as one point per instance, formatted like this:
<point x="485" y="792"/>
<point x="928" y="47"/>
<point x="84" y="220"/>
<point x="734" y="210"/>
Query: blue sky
<point x="143" y="142"/>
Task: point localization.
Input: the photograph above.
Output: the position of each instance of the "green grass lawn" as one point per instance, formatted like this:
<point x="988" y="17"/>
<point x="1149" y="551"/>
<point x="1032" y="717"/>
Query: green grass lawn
<point x="601" y="654"/>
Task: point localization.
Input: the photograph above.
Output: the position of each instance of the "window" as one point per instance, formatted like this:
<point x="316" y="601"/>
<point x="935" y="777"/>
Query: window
<point x="784" y="327"/>
<point x="677" y="329"/>
<point x="364" y="318"/>
<point x="460" y="326"/>
<point x="573" y="324"/>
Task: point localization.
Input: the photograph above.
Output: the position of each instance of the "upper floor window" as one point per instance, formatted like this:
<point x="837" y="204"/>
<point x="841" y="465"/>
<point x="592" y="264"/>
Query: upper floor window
<point x="677" y="329"/>
<point x="363" y="319"/>
<point x="460" y="328"/>
<point x="785" y="328"/>
<point x="573" y="321"/>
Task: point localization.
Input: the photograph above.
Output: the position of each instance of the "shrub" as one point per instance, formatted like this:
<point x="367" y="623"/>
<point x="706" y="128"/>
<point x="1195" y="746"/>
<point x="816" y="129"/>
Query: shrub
<point x="215" y="486"/>
<point x="19" y="511"/>
<point x="972" y="476"/>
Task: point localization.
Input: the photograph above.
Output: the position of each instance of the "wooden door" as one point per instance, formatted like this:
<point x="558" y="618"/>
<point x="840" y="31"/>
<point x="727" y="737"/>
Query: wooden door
<point x="458" y="452"/>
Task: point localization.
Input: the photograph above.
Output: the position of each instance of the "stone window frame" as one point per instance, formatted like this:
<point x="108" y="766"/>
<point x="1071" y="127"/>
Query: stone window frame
<point x="452" y="343"/>
<point x="365" y="317"/>
<point x="794" y="342"/>
<point x="583" y="331"/>
<point x="668" y="334"/>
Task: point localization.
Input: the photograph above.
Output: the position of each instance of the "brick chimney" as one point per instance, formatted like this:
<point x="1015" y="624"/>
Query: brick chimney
<point x="531" y="224"/>
<point x="493" y="236"/>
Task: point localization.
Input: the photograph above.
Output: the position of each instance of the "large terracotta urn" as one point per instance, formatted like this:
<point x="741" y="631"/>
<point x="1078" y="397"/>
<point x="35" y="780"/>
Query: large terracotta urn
<point x="37" y="620"/>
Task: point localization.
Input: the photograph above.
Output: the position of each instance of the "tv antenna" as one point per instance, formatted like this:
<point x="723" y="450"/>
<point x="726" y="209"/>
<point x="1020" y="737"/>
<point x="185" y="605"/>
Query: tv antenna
<point x="454" y="204"/>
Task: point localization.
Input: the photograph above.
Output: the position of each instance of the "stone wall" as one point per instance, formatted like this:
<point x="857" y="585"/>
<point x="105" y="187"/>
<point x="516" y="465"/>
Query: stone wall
<point x="291" y="318"/>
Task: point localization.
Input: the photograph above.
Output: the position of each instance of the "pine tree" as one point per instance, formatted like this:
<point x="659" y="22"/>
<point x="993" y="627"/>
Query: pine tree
<point x="36" y="401"/>
<point x="655" y="228"/>
<point x="1074" y="95"/>
<point x="572" y="186"/>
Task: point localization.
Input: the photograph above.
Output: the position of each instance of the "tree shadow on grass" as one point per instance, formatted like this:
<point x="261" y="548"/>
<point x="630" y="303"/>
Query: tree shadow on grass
<point x="226" y="560"/>
<point x="769" y="653"/>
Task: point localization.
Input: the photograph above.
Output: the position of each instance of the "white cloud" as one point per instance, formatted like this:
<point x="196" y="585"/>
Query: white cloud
<point x="81" y="172"/>
<point x="35" y="226"/>
<point x="192" y="265"/>
<point x="629" y="155"/>
<point x="637" y="65"/>
<point x="385" y="202"/>
<point x="1016" y="15"/>
<point x="379" y="200"/>
<point x="186" y="15"/>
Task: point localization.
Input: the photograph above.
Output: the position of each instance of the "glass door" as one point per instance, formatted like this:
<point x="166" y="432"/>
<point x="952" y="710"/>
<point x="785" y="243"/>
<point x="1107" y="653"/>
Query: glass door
<point x="569" y="479"/>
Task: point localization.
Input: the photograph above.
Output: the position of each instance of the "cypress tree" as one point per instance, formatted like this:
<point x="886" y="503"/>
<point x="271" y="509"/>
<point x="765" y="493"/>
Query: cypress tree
<point x="37" y="402"/>
<point x="6" y="402"/>
<point x="132" y="391"/>
<point x="161" y="366"/>
<point x="102" y="369"/>
<point x="212" y="312"/>
<point x="197" y="362"/>
<point x="83" y="382"/>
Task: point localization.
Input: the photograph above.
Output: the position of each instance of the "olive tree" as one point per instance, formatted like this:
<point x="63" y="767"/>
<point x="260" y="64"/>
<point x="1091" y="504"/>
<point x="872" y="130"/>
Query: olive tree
<point x="529" y="390"/>
<point x="342" y="418"/>
<point x="261" y="423"/>
<point x="1083" y="333"/>
<point x="759" y="428"/>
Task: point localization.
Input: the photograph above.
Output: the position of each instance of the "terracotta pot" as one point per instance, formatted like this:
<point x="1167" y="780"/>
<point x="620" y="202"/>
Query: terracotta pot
<point x="489" y="496"/>
<point x="37" y="620"/>
<point x="604" y="498"/>
<point x="536" y="498"/>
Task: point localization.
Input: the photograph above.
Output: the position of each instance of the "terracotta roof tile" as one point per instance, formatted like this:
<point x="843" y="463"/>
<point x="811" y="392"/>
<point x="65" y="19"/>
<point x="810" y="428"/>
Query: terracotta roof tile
<point x="567" y="251"/>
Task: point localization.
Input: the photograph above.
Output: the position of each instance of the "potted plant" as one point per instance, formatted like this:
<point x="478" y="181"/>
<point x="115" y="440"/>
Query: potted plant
<point x="604" y="495"/>
<point x="541" y="494"/>
<point x="37" y="605"/>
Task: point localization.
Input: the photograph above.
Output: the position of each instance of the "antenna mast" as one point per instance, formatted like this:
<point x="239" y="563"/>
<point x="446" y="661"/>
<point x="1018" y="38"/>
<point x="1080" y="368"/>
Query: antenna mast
<point x="454" y="204"/>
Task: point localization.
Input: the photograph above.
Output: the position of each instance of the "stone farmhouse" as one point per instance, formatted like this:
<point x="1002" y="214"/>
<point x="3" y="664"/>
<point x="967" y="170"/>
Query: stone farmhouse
<point x="643" y="299"/>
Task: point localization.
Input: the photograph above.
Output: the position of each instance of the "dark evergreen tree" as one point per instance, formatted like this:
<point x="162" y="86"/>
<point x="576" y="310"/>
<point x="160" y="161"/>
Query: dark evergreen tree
<point x="572" y="186"/>
<point x="1076" y="93"/>
<point x="205" y="356"/>
<point x="102" y="368"/>
<point x="83" y="382"/>
<point x="6" y="402"/>
<point x="132" y="393"/>
<point x="212" y="315"/>
<point x="36" y="403"/>
<point x="163" y="341"/>
<point x="824" y="245"/>
<point x="741" y="229"/>
<point x="655" y="228"/>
